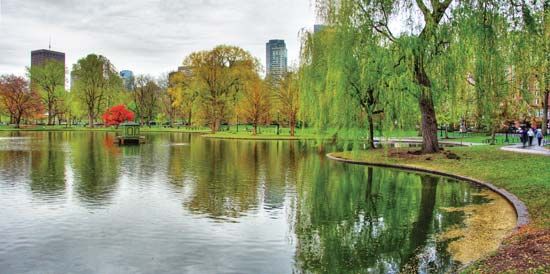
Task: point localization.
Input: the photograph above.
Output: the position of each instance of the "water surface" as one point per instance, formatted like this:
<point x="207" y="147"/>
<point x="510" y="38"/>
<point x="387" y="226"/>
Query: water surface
<point x="76" y="202"/>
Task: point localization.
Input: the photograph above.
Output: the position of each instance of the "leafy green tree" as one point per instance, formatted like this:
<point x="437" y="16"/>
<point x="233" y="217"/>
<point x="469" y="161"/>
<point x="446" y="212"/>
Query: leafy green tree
<point x="352" y="75"/>
<point x="95" y="78"/>
<point x="489" y="66"/>
<point x="146" y="98"/>
<point x="49" y="80"/>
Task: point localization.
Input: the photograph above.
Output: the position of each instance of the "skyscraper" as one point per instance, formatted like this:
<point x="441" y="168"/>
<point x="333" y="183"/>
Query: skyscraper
<point x="41" y="56"/>
<point x="276" y="58"/>
<point x="128" y="79"/>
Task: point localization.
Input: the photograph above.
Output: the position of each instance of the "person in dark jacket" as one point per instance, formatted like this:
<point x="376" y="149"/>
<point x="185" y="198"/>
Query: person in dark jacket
<point x="523" y="136"/>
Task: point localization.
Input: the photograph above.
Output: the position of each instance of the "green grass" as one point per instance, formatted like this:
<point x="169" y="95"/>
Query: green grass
<point x="270" y="133"/>
<point x="526" y="176"/>
<point x="108" y="129"/>
<point x="264" y="133"/>
<point x="53" y="128"/>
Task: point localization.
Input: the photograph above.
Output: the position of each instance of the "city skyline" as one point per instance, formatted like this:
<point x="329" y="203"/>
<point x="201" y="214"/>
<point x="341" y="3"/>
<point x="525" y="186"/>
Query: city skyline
<point x="147" y="37"/>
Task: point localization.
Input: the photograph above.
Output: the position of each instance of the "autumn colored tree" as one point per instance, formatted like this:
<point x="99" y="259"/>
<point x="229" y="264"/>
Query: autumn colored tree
<point x="183" y="90"/>
<point x="218" y="75"/>
<point x="117" y="115"/>
<point x="287" y="94"/>
<point x="18" y="99"/>
<point x="255" y="104"/>
<point x="49" y="81"/>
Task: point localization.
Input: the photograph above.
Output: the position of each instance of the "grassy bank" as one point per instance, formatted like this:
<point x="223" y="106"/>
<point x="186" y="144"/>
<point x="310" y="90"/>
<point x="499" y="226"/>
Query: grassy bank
<point x="262" y="136"/>
<point x="107" y="129"/>
<point x="270" y="133"/>
<point x="526" y="176"/>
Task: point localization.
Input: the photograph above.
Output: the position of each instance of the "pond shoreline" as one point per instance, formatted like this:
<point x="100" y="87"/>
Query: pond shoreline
<point x="522" y="213"/>
<point x="512" y="244"/>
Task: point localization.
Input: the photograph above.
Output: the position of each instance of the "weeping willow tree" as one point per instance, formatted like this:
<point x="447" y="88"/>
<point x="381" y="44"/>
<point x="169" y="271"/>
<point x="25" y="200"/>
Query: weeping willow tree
<point x="490" y="71"/>
<point x="428" y="61"/>
<point x="419" y="47"/>
<point x="348" y="70"/>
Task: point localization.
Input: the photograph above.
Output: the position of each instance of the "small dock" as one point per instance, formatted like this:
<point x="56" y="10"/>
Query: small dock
<point x="130" y="135"/>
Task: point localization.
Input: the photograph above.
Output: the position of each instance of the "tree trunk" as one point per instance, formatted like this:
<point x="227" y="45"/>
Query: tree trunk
<point x="430" y="143"/>
<point x="427" y="110"/>
<point x="493" y="136"/>
<point x="545" y="112"/>
<point x="50" y="118"/>
<point x="189" y="118"/>
<point x="91" y="120"/>
<point x="215" y="126"/>
<point x="292" y="125"/>
<point x="17" y="122"/>
<point x="255" y="129"/>
<point x="371" y="131"/>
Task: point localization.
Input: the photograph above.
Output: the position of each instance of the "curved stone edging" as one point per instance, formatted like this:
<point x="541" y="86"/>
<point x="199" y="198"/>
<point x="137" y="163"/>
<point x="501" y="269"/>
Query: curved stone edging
<point x="520" y="208"/>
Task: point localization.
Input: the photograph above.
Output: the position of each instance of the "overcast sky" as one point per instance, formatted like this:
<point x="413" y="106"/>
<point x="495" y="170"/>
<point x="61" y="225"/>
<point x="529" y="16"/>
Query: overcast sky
<point x="146" y="36"/>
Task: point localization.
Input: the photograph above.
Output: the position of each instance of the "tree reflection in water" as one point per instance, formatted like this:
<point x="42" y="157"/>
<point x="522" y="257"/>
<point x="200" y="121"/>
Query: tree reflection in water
<point x="321" y="215"/>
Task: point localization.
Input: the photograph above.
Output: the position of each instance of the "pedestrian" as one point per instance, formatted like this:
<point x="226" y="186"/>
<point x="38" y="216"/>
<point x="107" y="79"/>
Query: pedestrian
<point x="539" y="137"/>
<point x="523" y="136"/>
<point x="531" y="135"/>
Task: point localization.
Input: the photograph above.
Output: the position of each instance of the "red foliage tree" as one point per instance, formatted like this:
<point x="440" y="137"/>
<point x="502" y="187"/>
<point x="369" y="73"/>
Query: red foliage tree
<point x="117" y="115"/>
<point x="19" y="101"/>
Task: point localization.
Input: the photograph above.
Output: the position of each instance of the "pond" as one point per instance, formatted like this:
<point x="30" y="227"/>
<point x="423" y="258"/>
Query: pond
<point x="76" y="202"/>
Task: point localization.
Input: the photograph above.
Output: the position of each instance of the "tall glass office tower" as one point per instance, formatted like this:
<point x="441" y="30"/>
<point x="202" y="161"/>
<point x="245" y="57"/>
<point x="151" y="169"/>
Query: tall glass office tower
<point x="276" y="58"/>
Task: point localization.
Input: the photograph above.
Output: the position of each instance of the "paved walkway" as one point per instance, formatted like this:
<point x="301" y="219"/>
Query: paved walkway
<point x="535" y="149"/>
<point x="418" y="140"/>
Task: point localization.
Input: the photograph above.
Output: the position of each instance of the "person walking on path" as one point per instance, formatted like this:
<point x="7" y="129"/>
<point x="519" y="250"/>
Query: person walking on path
<point x="523" y="136"/>
<point x="531" y="135"/>
<point x="539" y="137"/>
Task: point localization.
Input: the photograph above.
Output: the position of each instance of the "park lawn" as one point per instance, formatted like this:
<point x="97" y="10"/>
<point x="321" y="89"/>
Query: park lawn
<point x="244" y="135"/>
<point x="182" y="129"/>
<point x="526" y="176"/>
<point x="53" y="128"/>
<point x="100" y="128"/>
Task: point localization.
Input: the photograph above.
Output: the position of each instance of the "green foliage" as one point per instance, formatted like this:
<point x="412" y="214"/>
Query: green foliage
<point x="219" y="75"/>
<point x="471" y="61"/>
<point x="49" y="81"/>
<point x="97" y="85"/>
